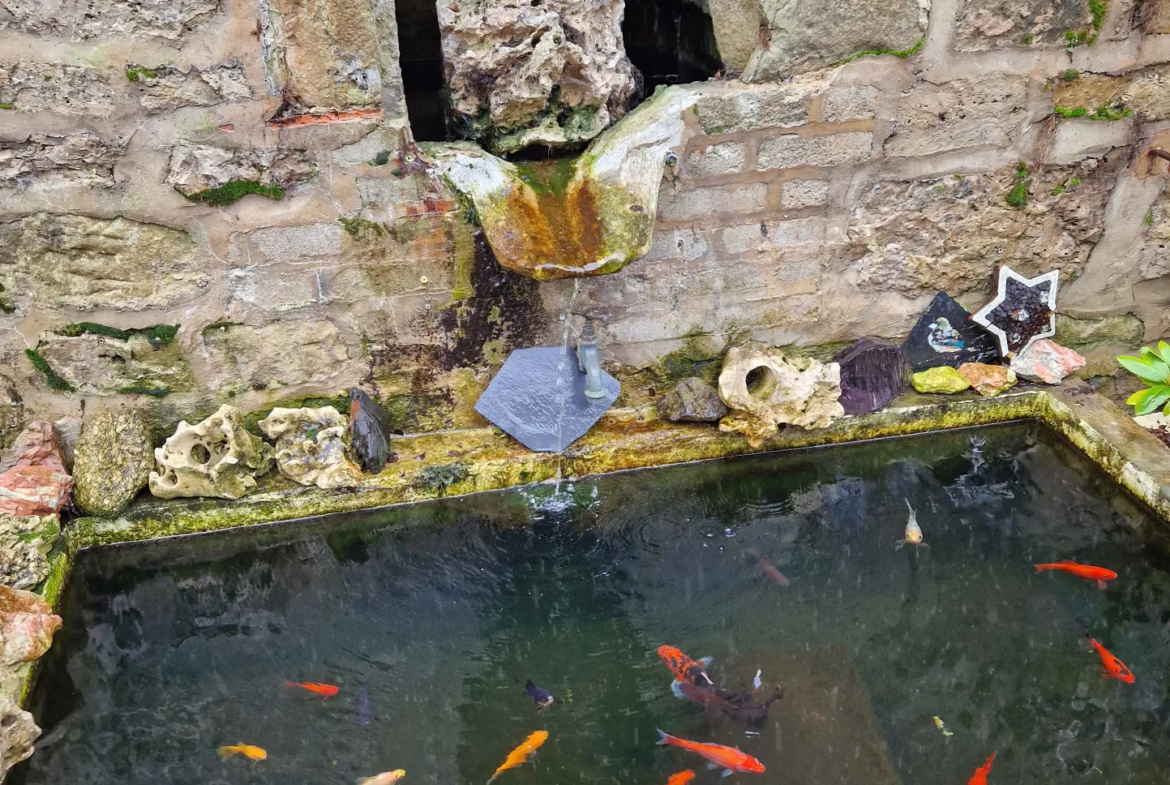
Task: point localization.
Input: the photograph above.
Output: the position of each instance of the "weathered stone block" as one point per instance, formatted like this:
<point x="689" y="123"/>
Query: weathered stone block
<point x="49" y="87"/>
<point x="845" y="104"/>
<point x="786" y="152"/>
<point x="101" y="365"/>
<point x="528" y="55"/>
<point x="752" y="107"/>
<point x="71" y="261"/>
<point x="165" y="87"/>
<point x="274" y="354"/>
<point x="965" y="113"/>
<point x="737" y="30"/>
<point x="84" y="19"/>
<point x="1154" y="252"/>
<point x="804" y="35"/>
<point x="798" y="238"/>
<point x="321" y="56"/>
<point x="1122" y="329"/>
<point x="287" y="243"/>
<point x="82" y="159"/>
<point x="804" y="193"/>
<point x="689" y="203"/>
<point x="277" y="288"/>
<point x="686" y="243"/>
<point x="198" y="167"/>
<point x="723" y="158"/>
<point x="921" y="236"/>
<point x="1142" y="92"/>
<point x="112" y="462"/>
<point x="1158" y="22"/>
<point x="994" y="24"/>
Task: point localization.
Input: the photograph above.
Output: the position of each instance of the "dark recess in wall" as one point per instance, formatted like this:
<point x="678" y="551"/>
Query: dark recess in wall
<point x="421" y="59"/>
<point x="670" y="42"/>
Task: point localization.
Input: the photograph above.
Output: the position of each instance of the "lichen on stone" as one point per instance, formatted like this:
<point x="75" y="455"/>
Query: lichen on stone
<point x="112" y="462"/>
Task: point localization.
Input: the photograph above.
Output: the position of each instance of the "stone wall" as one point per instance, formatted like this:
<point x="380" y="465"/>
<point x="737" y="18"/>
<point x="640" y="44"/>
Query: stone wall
<point x="245" y="171"/>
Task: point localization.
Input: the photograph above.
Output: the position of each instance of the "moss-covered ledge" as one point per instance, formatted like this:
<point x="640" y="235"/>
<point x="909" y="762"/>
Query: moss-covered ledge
<point x="466" y="461"/>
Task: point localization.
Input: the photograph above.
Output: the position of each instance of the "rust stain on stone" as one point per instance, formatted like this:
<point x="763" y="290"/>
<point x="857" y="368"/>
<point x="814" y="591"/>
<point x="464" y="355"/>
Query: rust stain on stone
<point x="554" y="225"/>
<point x="325" y="118"/>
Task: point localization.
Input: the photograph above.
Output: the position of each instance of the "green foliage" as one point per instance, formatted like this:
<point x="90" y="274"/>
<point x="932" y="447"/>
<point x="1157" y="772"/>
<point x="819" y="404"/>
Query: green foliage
<point x="1098" y="7"/>
<point x="1058" y="190"/>
<point x="6" y="105"/>
<point x="903" y="53"/>
<point x="158" y="335"/>
<point x="235" y="190"/>
<point x="1066" y="113"/>
<point x="1075" y="38"/>
<point x="357" y="227"/>
<point x="1069" y="75"/>
<point x="1027" y="39"/>
<point x="1018" y="196"/>
<point x="139" y="388"/>
<point x="137" y="72"/>
<point x="54" y="381"/>
<point x="1074" y="182"/>
<point x="1109" y="113"/>
<point x="1152" y="367"/>
<point x="1150" y="217"/>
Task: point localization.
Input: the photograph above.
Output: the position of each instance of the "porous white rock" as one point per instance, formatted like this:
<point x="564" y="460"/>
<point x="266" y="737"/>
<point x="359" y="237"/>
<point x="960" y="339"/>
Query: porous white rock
<point x="217" y="457"/>
<point x="312" y="446"/>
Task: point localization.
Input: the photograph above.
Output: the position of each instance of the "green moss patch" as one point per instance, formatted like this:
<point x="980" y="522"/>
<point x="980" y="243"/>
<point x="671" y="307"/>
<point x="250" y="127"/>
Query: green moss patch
<point x="903" y="53"/>
<point x="140" y="388"/>
<point x="235" y="190"/>
<point x="437" y="479"/>
<point x="1018" y="196"/>
<point x="359" y="228"/>
<point x="1103" y="113"/>
<point x="136" y="73"/>
<point x="158" y="335"/>
<point x="54" y="381"/>
<point x="338" y="402"/>
<point x="6" y="105"/>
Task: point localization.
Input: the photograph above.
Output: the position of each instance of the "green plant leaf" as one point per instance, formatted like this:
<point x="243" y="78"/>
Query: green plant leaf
<point x="1144" y="369"/>
<point x="1164" y="351"/>
<point x="1155" y="397"/>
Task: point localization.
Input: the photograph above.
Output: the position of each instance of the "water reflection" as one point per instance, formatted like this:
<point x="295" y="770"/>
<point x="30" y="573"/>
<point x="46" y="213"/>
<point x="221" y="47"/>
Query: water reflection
<point x="442" y="612"/>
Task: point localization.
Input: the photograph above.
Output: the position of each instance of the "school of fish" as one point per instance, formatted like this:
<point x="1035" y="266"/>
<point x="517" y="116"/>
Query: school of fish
<point x="692" y="682"/>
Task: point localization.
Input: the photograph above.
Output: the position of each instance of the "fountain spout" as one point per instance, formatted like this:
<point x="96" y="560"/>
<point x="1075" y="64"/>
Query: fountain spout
<point x="589" y="360"/>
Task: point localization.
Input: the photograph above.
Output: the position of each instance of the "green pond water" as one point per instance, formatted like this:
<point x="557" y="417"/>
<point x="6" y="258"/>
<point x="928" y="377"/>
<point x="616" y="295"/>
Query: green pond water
<point x="443" y="610"/>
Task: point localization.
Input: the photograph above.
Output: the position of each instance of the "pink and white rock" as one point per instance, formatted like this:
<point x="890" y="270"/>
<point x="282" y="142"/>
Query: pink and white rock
<point x="1046" y="361"/>
<point x="39" y="444"/>
<point x="27" y="626"/>
<point x="33" y="490"/>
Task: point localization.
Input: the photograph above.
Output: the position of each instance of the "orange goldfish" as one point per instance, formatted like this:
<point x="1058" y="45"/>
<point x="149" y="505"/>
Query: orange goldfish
<point x="730" y="758"/>
<point x="684" y="668"/>
<point x="766" y="567"/>
<point x="981" y="773"/>
<point x="385" y="778"/>
<point x="247" y="750"/>
<point x="522" y="753"/>
<point x="1086" y="571"/>
<point x="1114" y="668"/>
<point x="681" y="778"/>
<point x="324" y="690"/>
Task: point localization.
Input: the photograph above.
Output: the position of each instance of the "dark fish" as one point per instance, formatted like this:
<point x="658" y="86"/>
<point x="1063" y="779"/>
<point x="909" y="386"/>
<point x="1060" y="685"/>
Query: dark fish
<point x="542" y="698"/>
<point x="365" y="712"/>
<point x="730" y="704"/>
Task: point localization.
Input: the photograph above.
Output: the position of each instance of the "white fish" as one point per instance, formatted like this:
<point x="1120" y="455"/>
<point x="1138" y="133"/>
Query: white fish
<point x="913" y="531"/>
<point x="756" y="682"/>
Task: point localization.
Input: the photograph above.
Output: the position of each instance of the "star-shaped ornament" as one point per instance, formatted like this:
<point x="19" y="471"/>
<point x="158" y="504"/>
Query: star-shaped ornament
<point x="1023" y="311"/>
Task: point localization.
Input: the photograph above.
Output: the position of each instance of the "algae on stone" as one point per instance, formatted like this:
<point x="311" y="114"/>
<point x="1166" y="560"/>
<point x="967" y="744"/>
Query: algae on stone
<point x="24" y="545"/>
<point x="312" y="446"/>
<point x="217" y="457"/>
<point x="112" y="462"/>
<point x="590" y="216"/>
<point x="943" y="379"/>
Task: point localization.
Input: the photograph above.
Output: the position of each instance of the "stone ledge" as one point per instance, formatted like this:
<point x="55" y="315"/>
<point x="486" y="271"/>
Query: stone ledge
<point x="483" y="459"/>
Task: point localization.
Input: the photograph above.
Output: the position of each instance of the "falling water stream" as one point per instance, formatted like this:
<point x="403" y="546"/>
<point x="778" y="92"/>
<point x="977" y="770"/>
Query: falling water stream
<point x="171" y="650"/>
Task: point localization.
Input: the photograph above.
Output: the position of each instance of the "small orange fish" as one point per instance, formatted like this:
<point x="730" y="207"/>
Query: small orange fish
<point x="730" y="758"/>
<point x="1086" y="571"/>
<point x="981" y="773"/>
<point x="1114" y="668"/>
<point x="684" y="668"/>
<point x="769" y="570"/>
<point x="247" y="750"/>
<point x="324" y="690"/>
<point x="681" y="778"/>
<point x="522" y="753"/>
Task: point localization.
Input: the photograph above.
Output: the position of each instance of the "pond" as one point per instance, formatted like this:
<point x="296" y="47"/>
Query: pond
<point x="440" y="612"/>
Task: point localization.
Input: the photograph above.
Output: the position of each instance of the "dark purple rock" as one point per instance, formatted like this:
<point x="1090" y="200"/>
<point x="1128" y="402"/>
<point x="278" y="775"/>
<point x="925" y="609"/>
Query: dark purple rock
<point x="873" y="373"/>
<point x="369" y="426"/>
<point x="692" y="400"/>
<point x="946" y="335"/>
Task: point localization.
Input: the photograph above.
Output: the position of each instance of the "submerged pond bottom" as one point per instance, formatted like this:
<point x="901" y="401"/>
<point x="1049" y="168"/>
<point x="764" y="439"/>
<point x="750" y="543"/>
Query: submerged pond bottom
<point x="440" y="612"/>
